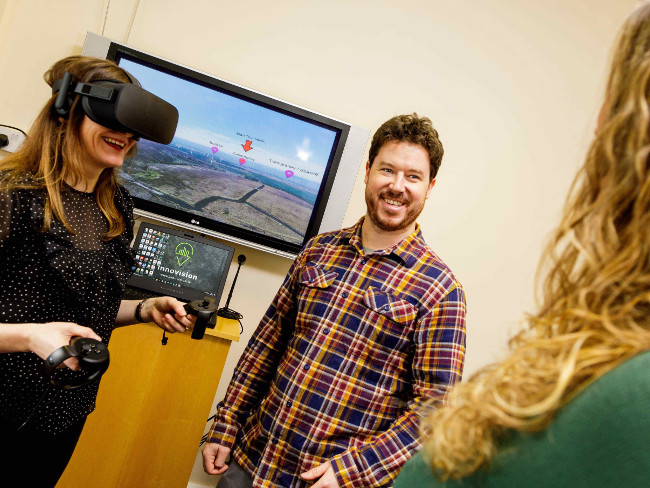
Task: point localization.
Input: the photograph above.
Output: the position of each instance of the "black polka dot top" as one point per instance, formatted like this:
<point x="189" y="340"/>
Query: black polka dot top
<point x="56" y="276"/>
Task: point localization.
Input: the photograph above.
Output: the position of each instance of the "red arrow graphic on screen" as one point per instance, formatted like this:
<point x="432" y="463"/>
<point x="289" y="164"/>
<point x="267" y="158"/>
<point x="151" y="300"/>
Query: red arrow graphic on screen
<point x="247" y="146"/>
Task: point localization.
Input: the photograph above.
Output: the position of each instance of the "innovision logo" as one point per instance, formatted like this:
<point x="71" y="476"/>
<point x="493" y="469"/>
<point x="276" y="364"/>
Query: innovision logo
<point x="184" y="252"/>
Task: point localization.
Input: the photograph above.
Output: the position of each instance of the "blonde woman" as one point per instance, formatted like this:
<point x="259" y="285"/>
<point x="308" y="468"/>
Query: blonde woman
<point x="570" y="406"/>
<point x="65" y="231"/>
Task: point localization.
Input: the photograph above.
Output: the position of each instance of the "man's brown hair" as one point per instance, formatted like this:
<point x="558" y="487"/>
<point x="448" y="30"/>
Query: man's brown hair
<point x="414" y="129"/>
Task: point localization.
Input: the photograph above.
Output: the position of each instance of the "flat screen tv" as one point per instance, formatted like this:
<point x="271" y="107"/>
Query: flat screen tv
<point x="242" y="166"/>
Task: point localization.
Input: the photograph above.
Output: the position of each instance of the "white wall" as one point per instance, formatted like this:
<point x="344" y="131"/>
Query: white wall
<point x="513" y="87"/>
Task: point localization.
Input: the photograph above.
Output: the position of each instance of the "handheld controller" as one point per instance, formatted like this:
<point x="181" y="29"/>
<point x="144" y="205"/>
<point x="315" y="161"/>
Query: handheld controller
<point x="203" y="309"/>
<point x="93" y="358"/>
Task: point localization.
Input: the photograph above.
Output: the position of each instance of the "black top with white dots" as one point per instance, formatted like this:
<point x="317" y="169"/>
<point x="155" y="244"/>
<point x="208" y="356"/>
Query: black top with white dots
<point x="56" y="276"/>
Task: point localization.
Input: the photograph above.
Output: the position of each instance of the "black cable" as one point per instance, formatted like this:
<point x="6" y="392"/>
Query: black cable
<point x="12" y="127"/>
<point x="205" y="437"/>
<point x="39" y="406"/>
<point x="229" y="313"/>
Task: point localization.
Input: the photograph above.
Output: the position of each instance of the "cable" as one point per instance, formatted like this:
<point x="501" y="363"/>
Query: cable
<point x="39" y="406"/>
<point x="12" y="127"/>
<point x="108" y="4"/>
<point x="205" y="437"/>
<point x="128" y="32"/>
<point x="229" y="313"/>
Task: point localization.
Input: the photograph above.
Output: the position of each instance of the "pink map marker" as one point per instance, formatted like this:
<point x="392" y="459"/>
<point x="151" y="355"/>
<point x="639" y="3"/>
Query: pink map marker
<point x="214" y="149"/>
<point x="288" y="173"/>
<point x="242" y="160"/>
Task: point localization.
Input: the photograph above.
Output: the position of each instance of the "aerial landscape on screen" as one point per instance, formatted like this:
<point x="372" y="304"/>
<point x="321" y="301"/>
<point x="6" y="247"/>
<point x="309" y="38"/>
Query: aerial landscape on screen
<point x="232" y="161"/>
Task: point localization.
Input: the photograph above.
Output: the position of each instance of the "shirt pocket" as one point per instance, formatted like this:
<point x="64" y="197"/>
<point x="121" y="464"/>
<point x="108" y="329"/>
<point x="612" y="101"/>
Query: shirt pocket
<point x="388" y="327"/>
<point x="390" y="306"/>
<point x="315" y="296"/>
<point x="313" y="276"/>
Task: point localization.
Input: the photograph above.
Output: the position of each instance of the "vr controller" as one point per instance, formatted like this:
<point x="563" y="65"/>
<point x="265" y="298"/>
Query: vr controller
<point x="124" y="107"/>
<point x="93" y="358"/>
<point x="203" y="309"/>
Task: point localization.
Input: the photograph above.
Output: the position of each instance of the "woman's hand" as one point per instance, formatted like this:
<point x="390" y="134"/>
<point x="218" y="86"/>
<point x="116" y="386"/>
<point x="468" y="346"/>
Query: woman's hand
<point x="168" y="313"/>
<point x="43" y="339"/>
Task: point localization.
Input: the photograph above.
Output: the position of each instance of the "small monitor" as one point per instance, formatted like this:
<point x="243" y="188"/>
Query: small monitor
<point x="179" y="264"/>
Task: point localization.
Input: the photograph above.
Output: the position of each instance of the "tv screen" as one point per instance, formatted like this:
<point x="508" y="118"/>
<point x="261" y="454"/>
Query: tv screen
<point x="242" y="165"/>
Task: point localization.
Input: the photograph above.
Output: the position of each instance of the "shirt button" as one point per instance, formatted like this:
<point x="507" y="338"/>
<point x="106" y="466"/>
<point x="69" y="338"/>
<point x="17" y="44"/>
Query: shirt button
<point x="345" y="294"/>
<point x="274" y="441"/>
<point x="305" y="367"/>
<point x="289" y="403"/>
<point x="326" y="331"/>
<point x="386" y="308"/>
<point x="363" y="261"/>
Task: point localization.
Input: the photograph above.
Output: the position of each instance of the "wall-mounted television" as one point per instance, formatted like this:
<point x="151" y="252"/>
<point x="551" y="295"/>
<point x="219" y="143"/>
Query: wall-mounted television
<point x="243" y="166"/>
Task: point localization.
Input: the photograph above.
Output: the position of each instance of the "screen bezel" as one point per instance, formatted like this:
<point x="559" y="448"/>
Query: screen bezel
<point x="117" y="51"/>
<point x="183" y="293"/>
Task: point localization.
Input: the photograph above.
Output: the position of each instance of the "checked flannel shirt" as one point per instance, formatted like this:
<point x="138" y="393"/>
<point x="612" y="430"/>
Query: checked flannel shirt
<point x="345" y="356"/>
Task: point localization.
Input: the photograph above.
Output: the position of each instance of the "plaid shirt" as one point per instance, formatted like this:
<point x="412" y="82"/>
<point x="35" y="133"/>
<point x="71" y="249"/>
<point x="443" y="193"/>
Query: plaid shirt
<point x="344" y="358"/>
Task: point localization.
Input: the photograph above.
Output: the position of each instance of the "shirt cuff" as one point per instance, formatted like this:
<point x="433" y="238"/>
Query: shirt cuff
<point x="222" y="434"/>
<point x="347" y="470"/>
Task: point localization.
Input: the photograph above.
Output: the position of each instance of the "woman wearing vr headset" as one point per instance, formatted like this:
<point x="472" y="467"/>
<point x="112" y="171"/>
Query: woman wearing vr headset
<point x="65" y="230"/>
<point x="570" y="405"/>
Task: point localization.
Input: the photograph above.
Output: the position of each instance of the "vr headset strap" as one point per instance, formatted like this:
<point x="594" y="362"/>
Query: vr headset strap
<point x="67" y="88"/>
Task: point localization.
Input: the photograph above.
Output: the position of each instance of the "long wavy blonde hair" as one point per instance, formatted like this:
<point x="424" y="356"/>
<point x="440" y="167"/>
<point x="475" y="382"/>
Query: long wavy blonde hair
<point x="52" y="154"/>
<point x="595" y="298"/>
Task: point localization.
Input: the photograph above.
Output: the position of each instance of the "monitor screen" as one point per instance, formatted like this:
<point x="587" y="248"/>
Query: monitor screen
<point x="178" y="263"/>
<point x="242" y="165"/>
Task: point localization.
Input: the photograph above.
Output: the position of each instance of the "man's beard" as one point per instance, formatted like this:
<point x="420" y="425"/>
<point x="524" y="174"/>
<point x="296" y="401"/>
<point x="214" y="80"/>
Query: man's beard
<point x="373" y="212"/>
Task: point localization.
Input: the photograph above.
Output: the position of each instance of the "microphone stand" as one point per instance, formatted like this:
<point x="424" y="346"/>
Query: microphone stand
<point x="225" y="311"/>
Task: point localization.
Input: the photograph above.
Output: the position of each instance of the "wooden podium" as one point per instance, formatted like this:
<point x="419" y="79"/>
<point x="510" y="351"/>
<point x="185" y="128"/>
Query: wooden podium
<point x="152" y="408"/>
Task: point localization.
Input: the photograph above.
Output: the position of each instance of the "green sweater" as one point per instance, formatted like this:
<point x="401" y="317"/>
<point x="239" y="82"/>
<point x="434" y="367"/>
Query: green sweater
<point x="599" y="439"/>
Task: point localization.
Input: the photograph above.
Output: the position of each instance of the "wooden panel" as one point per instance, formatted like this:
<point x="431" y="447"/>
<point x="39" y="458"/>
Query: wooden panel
<point x="152" y="409"/>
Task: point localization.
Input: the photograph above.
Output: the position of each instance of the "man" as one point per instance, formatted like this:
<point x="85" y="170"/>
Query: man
<point x="368" y="325"/>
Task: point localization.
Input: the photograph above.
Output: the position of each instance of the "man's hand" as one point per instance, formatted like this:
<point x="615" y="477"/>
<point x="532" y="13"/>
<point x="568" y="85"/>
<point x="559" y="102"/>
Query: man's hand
<point x="323" y="471"/>
<point x="214" y="458"/>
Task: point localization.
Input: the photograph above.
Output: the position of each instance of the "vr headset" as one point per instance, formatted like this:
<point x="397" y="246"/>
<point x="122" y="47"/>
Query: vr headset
<point x="124" y="107"/>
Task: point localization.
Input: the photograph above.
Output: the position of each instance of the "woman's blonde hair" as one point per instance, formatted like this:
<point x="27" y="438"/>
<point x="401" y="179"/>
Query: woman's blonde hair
<point x="52" y="154"/>
<point x="595" y="298"/>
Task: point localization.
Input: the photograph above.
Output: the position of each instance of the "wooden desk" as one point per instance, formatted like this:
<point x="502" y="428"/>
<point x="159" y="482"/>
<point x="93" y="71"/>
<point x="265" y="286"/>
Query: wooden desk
<point x="152" y="408"/>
